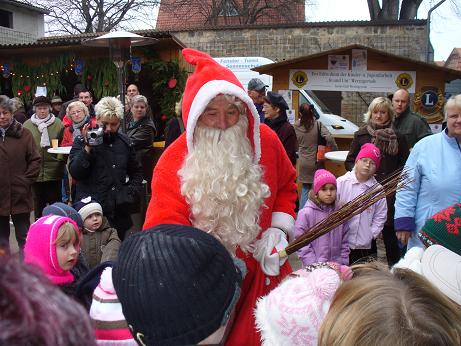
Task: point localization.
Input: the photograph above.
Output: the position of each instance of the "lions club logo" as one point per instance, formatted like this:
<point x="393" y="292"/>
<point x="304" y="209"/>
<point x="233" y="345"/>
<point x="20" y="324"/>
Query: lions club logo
<point x="299" y="79"/>
<point x="404" y="81"/>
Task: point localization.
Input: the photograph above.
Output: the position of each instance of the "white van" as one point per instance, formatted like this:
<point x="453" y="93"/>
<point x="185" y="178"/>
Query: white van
<point x="336" y="124"/>
<point x="241" y="66"/>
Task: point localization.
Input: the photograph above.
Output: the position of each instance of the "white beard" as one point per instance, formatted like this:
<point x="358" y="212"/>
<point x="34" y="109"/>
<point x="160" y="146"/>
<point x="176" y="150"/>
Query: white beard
<point x="223" y="186"/>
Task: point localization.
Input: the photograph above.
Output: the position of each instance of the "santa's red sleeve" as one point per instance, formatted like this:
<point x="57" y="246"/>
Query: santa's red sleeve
<point x="167" y="205"/>
<point x="280" y="175"/>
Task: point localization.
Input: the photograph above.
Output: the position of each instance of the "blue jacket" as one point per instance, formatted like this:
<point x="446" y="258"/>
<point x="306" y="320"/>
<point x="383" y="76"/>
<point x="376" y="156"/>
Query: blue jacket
<point x="435" y="163"/>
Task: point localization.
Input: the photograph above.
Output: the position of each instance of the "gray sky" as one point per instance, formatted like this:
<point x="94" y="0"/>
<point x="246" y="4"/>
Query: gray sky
<point x="445" y="23"/>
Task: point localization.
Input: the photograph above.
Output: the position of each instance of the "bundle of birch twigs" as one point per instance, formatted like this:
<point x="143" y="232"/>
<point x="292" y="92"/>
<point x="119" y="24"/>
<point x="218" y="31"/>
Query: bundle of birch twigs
<point x="397" y="181"/>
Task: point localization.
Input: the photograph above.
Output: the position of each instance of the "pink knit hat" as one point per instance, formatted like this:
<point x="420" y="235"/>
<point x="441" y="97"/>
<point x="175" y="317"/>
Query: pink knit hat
<point x="40" y="248"/>
<point x="322" y="177"/>
<point x="293" y="312"/>
<point x="106" y="314"/>
<point x="370" y="151"/>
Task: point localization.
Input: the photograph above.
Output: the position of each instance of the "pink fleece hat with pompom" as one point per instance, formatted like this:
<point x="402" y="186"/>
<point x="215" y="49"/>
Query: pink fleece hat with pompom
<point x="40" y="248"/>
<point x="321" y="178"/>
<point x="293" y="312"/>
<point x="370" y="151"/>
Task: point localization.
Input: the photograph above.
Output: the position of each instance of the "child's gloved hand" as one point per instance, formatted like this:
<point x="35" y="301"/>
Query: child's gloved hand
<point x="266" y="248"/>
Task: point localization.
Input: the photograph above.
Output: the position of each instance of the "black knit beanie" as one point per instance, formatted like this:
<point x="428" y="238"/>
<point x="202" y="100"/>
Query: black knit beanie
<point x="175" y="284"/>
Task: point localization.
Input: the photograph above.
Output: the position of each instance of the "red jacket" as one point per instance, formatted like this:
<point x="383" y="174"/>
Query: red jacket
<point x="67" y="139"/>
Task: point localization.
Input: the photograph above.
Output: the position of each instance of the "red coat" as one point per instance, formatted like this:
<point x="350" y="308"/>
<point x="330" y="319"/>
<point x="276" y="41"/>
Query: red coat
<point x="167" y="205"/>
<point x="67" y="139"/>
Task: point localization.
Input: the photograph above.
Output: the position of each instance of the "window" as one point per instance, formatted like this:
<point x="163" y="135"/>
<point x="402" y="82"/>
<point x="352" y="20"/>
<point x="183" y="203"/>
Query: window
<point x="6" y="19"/>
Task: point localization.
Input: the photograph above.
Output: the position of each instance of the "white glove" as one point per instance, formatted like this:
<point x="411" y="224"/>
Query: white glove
<point x="264" y="250"/>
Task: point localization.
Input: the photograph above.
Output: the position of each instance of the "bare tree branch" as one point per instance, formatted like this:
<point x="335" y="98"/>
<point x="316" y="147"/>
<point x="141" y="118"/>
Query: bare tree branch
<point x="86" y="16"/>
<point x="224" y="12"/>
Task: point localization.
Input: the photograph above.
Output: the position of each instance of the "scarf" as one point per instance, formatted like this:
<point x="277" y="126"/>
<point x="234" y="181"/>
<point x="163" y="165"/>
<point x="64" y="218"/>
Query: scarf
<point x="384" y="137"/>
<point x="77" y="126"/>
<point x="42" y="125"/>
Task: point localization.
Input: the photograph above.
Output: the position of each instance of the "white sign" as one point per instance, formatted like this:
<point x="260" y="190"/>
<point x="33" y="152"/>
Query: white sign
<point x="338" y="62"/>
<point x="359" y="59"/>
<point x="40" y="91"/>
<point x="369" y="81"/>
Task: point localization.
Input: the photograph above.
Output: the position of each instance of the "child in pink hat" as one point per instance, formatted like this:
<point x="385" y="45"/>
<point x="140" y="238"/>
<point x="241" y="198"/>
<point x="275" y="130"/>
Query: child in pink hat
<point x="53" y="244"/>
<point x="334" y="245"/>
<point x="365" y="227"/>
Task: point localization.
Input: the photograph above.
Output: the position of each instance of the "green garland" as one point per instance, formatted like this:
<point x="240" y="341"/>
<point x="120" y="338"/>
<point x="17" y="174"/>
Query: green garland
<point x="26" y="78"/>
<point x="100" y="75"/>
<point x="165" y="90"/>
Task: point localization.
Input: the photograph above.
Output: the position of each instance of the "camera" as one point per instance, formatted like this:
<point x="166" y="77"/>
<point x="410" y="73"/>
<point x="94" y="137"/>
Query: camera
<point x="94" y="136"/>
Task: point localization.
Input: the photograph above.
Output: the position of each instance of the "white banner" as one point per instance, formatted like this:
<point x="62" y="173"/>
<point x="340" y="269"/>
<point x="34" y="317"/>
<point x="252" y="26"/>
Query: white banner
<point x="369" y="81"/>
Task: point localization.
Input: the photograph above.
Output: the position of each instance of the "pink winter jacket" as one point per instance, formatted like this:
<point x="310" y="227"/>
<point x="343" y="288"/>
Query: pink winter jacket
<point x="366" y="226"/>
<point x="333" y="246"/>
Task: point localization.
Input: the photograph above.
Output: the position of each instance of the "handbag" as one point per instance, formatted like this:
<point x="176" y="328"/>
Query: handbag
<point x="322" y="148"/>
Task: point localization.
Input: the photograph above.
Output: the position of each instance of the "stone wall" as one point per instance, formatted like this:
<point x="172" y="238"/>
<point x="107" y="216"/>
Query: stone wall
<point x="406" y="38"/>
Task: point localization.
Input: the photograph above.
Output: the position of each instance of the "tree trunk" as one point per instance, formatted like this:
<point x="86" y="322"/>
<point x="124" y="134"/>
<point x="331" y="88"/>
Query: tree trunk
<point x="409" y="9"/>
<point x="390" y="10"/>
<point x="374" y="8"/>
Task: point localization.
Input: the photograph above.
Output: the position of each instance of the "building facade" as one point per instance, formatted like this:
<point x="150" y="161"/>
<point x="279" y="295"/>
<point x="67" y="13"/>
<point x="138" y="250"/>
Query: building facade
<point x="20" y="23"/>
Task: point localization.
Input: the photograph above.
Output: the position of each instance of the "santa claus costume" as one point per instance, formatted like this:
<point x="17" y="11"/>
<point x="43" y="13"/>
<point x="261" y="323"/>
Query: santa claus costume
<point x="274" y="195"/>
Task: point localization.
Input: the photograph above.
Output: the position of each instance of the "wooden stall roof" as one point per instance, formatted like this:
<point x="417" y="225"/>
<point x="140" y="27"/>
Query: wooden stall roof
<point x="449" y="73"/>
<point x="165" y="39"/>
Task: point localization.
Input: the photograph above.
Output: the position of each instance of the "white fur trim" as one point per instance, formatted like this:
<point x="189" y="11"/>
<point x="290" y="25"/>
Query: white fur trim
<point x="285" y="222"/>
<point x="206" y="93"/>
<point x="263" y="323"/>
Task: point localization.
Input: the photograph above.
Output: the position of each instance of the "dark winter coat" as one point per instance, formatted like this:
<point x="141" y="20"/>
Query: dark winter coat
<point x="101" y="245"/>
<point x="102" y="173"/>
<point x="286" y="134"/>
<point x="142" y="134"/>
<point x="389" y="164"/>
<point x="412" y="126"/>
<point x="19" y="167"/>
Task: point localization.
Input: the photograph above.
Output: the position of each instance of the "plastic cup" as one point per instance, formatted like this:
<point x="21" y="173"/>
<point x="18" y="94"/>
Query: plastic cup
<point x="55" y="143"/>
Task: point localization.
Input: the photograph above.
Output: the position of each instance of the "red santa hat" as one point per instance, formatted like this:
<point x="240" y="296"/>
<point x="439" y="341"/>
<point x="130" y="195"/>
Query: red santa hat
<point x="209" y="80"/>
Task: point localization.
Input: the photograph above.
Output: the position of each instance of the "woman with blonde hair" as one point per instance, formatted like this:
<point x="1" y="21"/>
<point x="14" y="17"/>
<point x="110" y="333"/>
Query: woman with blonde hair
<point x="380" y="307"/>
<point x="101" y="166"/>
<point x="394" y="152"/>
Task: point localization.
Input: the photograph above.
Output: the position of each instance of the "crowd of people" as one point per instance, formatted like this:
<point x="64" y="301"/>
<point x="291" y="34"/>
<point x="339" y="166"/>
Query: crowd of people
<point x="208" y="267"/>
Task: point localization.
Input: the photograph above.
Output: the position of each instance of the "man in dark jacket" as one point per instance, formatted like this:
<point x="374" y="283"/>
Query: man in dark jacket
<point x="77" y="88"/>
<point x="257" y="91"/>
<point x="409" y="124"/>
<point x="108" y="171"/>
